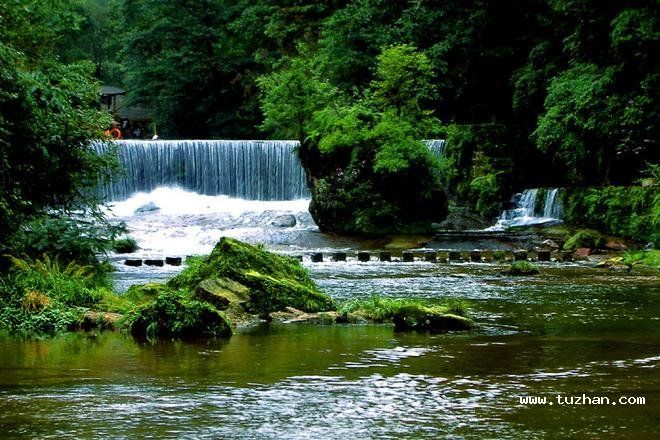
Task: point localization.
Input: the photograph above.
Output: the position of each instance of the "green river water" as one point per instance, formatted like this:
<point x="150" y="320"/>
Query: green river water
<point x="569" y="331"/>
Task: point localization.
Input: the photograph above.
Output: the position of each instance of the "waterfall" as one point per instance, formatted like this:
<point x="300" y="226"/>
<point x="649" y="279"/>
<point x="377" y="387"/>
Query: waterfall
<point x="436" y="146"/>
<point x="553" y="208"/>
<point x="252" y="170"/>
<point x="528" y="212"/>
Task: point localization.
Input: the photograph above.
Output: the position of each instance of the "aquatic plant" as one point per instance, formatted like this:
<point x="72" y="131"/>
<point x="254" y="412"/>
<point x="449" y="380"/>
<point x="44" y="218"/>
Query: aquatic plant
<point x="521" y="267"/>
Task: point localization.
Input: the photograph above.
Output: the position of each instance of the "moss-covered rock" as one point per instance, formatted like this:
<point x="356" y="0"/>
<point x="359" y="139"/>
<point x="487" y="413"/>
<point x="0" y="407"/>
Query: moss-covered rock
<point x="222" y="292"/>
<point x="274" y="282"/>
<point x="521" y="267"/>
<point x="172" y="313"/>
<point x="434" y="319"/>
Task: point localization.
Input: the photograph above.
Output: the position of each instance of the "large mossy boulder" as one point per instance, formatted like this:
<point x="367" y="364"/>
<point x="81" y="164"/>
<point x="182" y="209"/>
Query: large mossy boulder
<point x="222" y="292"/>
<point x="433" y="319"/>
<point x="273" y="282"/>
<point x="173" y="313"/>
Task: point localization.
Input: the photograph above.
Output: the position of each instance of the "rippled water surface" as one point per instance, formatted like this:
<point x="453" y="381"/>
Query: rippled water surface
<point x="567" y="331"/>
<point x="571" y="330"/>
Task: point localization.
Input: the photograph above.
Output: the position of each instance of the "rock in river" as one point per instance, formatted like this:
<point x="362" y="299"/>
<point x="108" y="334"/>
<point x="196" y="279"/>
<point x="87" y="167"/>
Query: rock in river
<point x="284" y="221"/>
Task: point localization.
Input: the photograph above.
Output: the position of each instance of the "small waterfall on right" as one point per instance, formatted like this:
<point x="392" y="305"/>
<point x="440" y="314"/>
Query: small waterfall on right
<point x="535" y="206"/>
<point x="436" y="147"/>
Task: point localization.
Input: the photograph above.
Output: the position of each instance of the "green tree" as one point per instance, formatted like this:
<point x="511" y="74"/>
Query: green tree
<point x="48" y="114"/>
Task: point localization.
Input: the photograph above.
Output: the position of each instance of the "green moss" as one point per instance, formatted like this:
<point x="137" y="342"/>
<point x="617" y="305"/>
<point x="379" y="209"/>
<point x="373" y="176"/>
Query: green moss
<point x="421" y="318"/>
<point x="172" y="313"/>
<point x="560" y="233"/>
<point x="522" y="268"/>
<point x="380" y="309"/>
<point x="274" y="281"/>
<point x="125" y="246"/>
<point x="584" y="238"/>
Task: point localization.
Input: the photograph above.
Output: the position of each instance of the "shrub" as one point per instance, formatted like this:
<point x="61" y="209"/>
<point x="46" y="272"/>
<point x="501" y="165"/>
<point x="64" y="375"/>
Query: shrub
<point x="649" y="257"/>
<point x="173" y="314"/>
<point x="626" y="211"/>
<point x="125" y="246"/>
<point x="45" y="296"/>
<point x="68" y="238"/>
<point x="584" y="239"/>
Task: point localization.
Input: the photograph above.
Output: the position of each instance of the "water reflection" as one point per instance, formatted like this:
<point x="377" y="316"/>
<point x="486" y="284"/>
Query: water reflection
<point x="563" y="332"/>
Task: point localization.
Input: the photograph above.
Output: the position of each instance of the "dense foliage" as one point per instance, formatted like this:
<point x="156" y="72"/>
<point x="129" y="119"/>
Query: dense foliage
<point x="48" y="114"/>
<point x="45" y="296"/>
<point x="626" y="211"/>
<point x="533" y="93"/>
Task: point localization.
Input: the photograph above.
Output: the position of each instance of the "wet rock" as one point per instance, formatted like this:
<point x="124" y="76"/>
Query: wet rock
<point x="133" y="262"/>
<point x="415" y="317"/>
<point x="293" y="315"/>
<point x="274" y="281"/>
<point x="284" y="221"/>
<point x="159" y="263"/>
<point x="148" y="207"/>
<point x="104" y="320"/>
<point x="339" y="256"/>
<point x="461" y="220"/>
<point x="619" y="268"/>
<point x="616" y="245"/>
<point x="221" y="292"/>
<point x="173" y="261"/>
<point x="610" y="262"/>
<point x="550" y="244"/>
<point x="543" y="255"/>
<point x="582" y="252"/>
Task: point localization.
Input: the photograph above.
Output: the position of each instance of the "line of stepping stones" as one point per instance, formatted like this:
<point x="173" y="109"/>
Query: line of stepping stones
<point x="441" y="256"/>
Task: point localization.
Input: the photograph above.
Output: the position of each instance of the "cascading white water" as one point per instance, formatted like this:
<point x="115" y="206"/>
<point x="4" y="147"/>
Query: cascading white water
<point x="553" y="208"/>
<point x="252" y="170"/>
<point x="436" y="146"/>
<point x="526" y="213"/>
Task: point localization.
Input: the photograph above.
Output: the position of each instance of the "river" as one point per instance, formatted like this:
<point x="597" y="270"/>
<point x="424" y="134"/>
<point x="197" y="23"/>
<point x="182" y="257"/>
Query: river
<point x="570" y="331"/>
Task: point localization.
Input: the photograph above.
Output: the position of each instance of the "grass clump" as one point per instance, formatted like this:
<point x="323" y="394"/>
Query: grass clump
<point x="522" y="267"/>
<point x="380" y="309"/>
<point x="44" y="296"/>
<point x="649" y="257"/>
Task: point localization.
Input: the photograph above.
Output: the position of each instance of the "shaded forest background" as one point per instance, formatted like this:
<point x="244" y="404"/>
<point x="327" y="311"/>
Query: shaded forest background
<point x="527" y="93"/>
